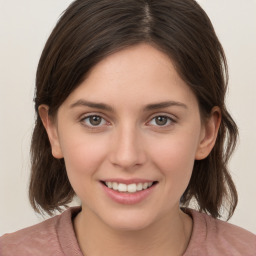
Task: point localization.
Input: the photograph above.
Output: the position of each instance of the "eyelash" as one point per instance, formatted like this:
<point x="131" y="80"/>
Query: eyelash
<point x="170" y="121"/>
<point x="83" y="121"/>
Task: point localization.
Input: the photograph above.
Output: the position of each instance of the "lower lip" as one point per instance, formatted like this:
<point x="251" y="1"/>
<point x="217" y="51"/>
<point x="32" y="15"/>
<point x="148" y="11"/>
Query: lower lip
<point x="128" y="198"/>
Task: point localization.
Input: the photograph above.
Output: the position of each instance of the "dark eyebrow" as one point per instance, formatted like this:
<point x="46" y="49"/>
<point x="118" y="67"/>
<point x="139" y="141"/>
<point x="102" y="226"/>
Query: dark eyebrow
<point x="90" y="104"/>
<point x="164" y="104"/>
<point x="106" y="107"/>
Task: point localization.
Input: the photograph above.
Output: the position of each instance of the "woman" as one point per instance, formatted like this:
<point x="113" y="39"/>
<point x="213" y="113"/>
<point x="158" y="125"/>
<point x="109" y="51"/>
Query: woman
<point x="131" y="118"/>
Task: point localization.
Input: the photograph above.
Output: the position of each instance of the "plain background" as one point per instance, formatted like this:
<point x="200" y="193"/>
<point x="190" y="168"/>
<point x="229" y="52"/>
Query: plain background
<point x="24" y="28"/>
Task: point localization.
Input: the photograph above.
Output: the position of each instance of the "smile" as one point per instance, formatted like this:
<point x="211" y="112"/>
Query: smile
<point x="128" y="188"/>
<point x="129" y="192"/>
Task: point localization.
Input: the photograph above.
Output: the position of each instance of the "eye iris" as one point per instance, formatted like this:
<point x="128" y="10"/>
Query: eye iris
<point x="161" y="120"/>
<point x="95" y="120"/>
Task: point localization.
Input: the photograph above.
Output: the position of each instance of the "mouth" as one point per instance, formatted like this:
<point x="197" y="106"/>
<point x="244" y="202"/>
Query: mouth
<point x="129" y="188"/>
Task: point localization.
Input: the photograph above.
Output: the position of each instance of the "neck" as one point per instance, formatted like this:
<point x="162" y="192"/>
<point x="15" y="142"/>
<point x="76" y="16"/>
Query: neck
<point x="169" y="236"/>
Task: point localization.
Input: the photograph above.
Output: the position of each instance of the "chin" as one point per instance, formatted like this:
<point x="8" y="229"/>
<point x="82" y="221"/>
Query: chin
<point x="129" y="221"/>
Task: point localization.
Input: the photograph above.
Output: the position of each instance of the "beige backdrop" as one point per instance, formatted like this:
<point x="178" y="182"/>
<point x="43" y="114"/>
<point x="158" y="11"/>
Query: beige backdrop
<point x="24" y="27"/>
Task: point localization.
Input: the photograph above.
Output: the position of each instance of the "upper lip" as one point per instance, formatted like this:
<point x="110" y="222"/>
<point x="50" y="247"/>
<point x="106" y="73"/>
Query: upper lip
<point x="129" y="181"/>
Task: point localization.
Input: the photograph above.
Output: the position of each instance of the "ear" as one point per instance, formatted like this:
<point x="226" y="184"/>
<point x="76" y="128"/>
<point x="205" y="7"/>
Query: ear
<point x="51" y="129"/>
<point x="209" y="134"/>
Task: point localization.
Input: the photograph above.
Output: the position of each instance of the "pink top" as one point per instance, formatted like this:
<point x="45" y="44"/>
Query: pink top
<point x="55" y="236"/>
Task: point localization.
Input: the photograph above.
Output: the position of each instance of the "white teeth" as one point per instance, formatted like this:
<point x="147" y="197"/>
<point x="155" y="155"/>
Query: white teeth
<point x="109" y="184"/>
<point x="139" y="187"/>
<point x="114" y="185"/>
<point x="122" y="187"/>
<point x="145" y="185"/>
<point x="131" y="188"/>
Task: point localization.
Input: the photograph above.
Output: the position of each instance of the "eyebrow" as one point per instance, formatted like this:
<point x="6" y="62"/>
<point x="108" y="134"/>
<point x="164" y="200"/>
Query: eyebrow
<point x="90" y="104"/>
<point x="164" y="104"/>
<point x="148" y="107"/>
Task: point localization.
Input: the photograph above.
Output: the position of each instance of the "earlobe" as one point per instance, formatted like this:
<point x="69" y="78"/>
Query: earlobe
<point x="209" y="134"/>
<point x="51" y="129"/>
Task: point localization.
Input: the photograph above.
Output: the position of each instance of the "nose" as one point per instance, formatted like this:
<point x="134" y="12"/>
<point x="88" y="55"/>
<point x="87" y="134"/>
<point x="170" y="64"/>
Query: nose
<point x="127" y="150"/>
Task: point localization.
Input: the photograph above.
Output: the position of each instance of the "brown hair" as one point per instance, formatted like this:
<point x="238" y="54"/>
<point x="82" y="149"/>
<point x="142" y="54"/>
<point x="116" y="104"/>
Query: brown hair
<point x="90" y="30"/>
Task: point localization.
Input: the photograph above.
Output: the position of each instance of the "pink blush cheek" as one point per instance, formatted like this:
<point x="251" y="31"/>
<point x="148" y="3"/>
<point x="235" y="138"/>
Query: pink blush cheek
<point x="84" y="153"/>
<point x="175" y="162"/>
<point x="176" y="155"/>
<point x="82" y="164"/>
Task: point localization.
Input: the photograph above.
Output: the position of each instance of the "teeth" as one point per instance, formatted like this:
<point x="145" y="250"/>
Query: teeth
<point x="109" y="184"/>
<point x="139" y="187"/>
<point x="122" y="187"/>
<point x="144" y="185"/>
<point x="131" y="188"/>
<point x="114" y="185"/>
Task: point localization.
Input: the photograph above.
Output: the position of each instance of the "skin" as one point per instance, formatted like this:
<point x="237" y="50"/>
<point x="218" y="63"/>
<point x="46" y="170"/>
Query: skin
<point x="128" y="143"/>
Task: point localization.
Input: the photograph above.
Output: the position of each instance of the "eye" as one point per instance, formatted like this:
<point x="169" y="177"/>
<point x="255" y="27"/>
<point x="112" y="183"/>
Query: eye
<point x="94" y="121"/>
<point x="161" y="121"/>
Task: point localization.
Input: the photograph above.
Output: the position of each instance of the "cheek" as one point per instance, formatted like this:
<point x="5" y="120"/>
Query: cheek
<point x="83" y="155"/>
<point x="174" y="157"/>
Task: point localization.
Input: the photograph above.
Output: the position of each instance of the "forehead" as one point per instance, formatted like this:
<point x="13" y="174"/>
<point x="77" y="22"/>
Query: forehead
<point x="136" y="74"/>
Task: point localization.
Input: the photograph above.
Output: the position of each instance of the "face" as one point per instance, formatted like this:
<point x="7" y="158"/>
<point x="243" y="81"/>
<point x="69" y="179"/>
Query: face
<point x="135" y="126"/>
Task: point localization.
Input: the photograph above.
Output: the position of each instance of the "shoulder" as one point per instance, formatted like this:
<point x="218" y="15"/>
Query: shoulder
<point x="31" y="240"/>
<point x="216" y="237"/>
<point x="41" y="239"/>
